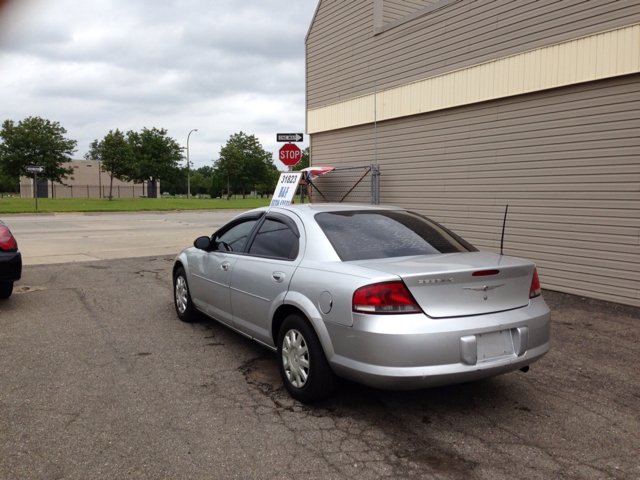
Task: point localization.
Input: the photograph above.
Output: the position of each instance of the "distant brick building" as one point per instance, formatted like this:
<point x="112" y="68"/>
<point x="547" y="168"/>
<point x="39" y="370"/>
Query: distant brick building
<point x="88" y="182"/>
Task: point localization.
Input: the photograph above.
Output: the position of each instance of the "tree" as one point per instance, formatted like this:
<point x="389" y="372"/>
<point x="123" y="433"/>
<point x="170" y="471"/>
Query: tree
<point x="304" y="161"/>
<point x="9" y="184"/>
<point x="155" y="155"/>
<point x="117" y="157"/>
<point x="199" y="183"/>
<point x="206" y="171"/>
<point x="268" y="184"/>
<point x="176" y="182"/>
<point x="218" y="183"/>
<point x="243" y="161"/>
<point x="201" y="180"/>
<point x="94" y="151"/>
<point x="35" y="141"/>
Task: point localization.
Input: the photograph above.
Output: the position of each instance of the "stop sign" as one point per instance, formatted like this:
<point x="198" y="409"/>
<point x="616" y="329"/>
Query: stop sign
<point x="290" y="154"/>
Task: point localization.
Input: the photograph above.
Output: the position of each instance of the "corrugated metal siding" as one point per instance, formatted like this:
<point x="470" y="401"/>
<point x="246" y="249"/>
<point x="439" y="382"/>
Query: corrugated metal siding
<point x="395" y="9"/>
<point x="567" y="161"/>
<point x="603" y="55"/>
<point x="344" y="58"/>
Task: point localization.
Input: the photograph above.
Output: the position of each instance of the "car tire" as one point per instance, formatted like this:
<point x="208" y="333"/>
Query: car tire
<point x="303" y="366"/>
<point x="5" y="289"/>
<point x="182" y="297"/>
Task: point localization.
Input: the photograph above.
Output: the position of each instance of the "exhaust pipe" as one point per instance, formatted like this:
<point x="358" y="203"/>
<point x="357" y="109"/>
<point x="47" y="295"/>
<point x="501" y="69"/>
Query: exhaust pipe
<point x="525" y="369"/>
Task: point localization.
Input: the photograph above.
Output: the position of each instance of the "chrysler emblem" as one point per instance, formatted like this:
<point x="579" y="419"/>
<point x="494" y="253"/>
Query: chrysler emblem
<point x="482" y="289"/>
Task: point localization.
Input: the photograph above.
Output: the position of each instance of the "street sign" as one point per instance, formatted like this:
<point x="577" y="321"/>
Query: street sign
<point x="286" y="188"/>
<point x="35" y="169"/>
<point x="290" y="137"/>
<point x="290" y="154"/>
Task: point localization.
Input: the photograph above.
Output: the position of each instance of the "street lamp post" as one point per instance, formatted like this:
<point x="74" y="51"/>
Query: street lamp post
<point x="189" y="166"/>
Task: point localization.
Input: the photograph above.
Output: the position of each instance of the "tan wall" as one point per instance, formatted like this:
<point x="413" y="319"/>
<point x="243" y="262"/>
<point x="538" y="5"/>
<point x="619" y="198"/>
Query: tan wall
<point x="567" y="161"/>
<point x="345" y="58"/>
<point x="593" y="57"/>
<point x="88" y="181"/>
<point x="88" y="173"/>
<point x="395" y="9"/>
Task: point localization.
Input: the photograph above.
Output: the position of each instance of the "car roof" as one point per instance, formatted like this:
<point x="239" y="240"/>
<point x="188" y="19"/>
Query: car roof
<point x="311" y="209"/>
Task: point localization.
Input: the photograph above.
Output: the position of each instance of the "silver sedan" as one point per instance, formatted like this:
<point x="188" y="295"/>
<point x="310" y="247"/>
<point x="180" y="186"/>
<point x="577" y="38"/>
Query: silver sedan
<point x="378" y="295"/>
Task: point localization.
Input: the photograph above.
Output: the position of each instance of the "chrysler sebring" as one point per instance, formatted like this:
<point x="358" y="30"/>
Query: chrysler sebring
<point x="377" y="295"/>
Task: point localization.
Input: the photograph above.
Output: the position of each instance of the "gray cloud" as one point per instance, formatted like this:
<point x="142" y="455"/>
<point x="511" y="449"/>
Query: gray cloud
<point x="219" y="66"/>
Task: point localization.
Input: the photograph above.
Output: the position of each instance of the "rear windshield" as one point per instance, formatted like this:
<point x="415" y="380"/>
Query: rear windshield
<point x="367" y="235"/>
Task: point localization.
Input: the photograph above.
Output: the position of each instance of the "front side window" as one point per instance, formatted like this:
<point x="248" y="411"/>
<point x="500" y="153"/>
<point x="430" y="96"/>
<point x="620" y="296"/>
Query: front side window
<point x="275" y="240"/>
<point x="233" y="239"/>
<point x="368" y="234"/>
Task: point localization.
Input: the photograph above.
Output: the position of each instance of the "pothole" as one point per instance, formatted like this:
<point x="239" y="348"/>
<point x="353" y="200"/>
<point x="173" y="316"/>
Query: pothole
<point x="26" y="289"/>
<point x="263" y="373"/>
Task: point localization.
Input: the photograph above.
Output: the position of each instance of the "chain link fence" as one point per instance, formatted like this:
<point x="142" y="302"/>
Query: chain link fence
<point x="88" y="191"/>
<point x="357" y="184"/>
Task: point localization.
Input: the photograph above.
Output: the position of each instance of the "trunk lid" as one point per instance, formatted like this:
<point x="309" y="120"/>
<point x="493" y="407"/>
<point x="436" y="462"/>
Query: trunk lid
<point x="444" y="285"/>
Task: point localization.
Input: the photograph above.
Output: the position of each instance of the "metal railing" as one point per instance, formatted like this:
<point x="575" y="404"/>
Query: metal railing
<point x="357" y="184"/>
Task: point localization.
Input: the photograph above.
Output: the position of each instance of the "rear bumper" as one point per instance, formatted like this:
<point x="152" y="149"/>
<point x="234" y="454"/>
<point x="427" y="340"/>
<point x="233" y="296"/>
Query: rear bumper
<point x="10" y="266"/>
<point x="414" y="351"/>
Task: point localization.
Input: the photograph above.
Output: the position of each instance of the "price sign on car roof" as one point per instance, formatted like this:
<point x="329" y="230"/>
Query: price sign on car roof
<point x="290" y="137"/>
<point x="286" y="188"/>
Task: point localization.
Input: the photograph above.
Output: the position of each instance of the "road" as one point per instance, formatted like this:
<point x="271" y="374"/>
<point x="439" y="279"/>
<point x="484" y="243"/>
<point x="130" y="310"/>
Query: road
<point x="99" y="379"/>
<point x="78" y="237"/>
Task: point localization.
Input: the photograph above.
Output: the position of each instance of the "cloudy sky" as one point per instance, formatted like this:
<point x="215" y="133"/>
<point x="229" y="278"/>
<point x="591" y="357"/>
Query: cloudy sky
<point x="219" y="66"/>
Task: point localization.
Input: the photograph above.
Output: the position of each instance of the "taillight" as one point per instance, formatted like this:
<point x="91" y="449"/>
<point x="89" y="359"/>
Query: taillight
<point x="388" y="297"/>
<point x="535" y="290"/>
<point x="7" y="242"/>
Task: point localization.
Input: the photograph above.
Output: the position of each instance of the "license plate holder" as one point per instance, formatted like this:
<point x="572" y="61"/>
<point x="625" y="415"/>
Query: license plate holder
<point x="493" y="345"/>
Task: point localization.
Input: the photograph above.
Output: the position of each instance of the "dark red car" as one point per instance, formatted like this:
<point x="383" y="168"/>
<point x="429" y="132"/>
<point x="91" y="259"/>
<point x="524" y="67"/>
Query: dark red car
<point x="10" y="261"/>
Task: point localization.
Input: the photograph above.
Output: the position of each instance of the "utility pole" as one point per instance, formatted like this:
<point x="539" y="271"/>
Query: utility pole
<point x="189" y="166"/>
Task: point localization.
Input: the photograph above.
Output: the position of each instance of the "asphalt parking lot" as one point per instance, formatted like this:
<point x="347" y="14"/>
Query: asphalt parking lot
<point x="99" y="379"/>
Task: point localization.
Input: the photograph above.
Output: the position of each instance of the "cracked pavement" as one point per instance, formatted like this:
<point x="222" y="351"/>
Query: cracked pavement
<point x="99" y="379"/>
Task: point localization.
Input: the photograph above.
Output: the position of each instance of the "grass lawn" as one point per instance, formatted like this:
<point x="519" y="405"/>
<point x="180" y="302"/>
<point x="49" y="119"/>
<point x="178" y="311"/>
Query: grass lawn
<point x="27" y="205"/>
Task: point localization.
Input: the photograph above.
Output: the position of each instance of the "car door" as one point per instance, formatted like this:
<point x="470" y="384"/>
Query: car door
<point x="261" y="277"/>
<point x="211" y="270"/>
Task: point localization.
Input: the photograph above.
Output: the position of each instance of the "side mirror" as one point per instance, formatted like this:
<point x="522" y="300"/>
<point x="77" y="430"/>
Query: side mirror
<point x="202" y="243"/>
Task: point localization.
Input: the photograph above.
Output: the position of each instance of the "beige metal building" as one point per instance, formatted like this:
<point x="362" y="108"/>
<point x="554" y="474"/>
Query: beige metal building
<point x="470" y="105"/>
<point x="89" y="181"/>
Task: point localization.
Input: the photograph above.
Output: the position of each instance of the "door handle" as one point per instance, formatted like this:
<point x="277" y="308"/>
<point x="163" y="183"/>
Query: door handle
<point x="277" y="277"/>
<point x="224" y="266"/>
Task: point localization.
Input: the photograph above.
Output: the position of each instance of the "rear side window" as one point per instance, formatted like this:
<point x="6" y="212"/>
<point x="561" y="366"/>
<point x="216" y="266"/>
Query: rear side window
<point x="367" y="235"/>
<point x="275" y="240"/>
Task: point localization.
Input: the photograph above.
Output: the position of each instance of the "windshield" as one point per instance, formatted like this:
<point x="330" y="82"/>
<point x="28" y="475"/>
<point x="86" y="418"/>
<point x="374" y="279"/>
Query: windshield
<point x="370" y="234"/>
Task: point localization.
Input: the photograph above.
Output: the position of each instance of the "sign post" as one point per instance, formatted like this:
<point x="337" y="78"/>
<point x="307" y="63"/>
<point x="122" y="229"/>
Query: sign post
<point x="36" y="169"/>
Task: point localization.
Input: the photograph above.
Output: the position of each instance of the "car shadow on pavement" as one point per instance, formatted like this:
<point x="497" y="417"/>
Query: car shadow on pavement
<point x="411" y="425"/>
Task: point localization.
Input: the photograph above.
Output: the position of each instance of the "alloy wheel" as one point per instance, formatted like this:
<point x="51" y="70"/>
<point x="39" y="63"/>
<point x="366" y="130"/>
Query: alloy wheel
<point x="181" y="294"/>
<point x="295" y="358"/>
